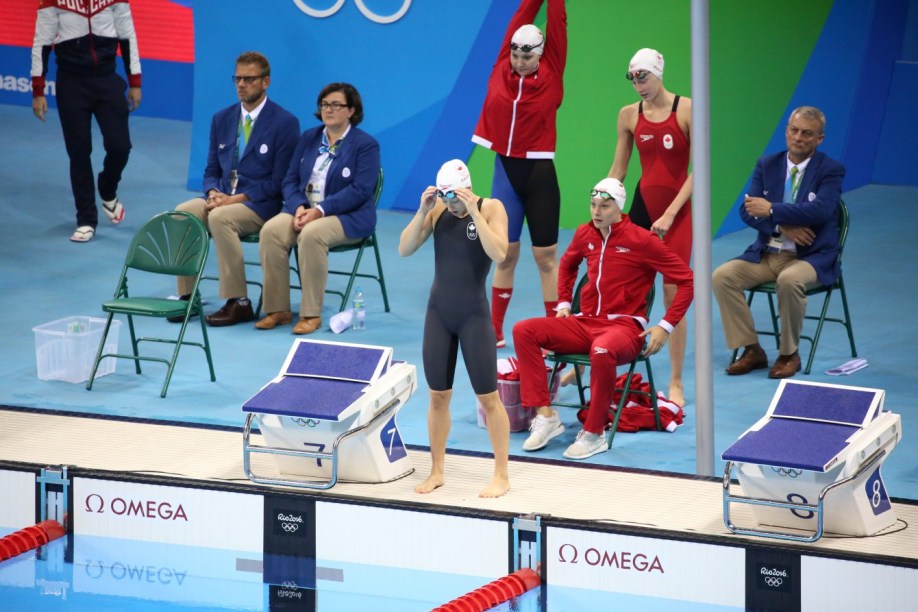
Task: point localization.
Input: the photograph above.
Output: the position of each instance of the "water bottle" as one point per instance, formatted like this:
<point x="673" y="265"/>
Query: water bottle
<point x="360" y="313"/>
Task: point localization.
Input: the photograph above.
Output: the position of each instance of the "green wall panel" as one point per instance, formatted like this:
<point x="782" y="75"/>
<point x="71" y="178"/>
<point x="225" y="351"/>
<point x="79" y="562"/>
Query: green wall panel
<point x="758" y="50"/>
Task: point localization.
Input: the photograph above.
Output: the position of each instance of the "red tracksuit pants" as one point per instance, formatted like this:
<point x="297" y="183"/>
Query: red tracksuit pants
<point x="609" y="342"/>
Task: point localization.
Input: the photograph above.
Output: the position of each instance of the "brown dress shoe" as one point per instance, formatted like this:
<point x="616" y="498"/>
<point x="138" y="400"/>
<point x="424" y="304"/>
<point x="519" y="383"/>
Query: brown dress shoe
<point x="785" y="366"/>
<point x="307" y="325"/>
<point x="753" y="358"/>
<point x="232" y="312"/>
<point x="272" y="320"/>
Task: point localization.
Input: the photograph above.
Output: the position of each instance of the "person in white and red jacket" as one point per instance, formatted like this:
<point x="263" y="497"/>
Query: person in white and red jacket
<point x="518" y="123"/>
<point x="85" y="37"/>
<point x="622" y="262"/>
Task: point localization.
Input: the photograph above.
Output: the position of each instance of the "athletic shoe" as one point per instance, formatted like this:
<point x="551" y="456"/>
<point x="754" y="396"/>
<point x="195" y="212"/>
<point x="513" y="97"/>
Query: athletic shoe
<point x="114" y="210"/>
<point x="586" y="445"/>
<point x="542" y="430"/>
<point x="84" y="233"/>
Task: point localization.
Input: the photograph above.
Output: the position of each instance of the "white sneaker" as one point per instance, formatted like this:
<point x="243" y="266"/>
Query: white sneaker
<point x="114" y="210"/>
<point x="586" y="445"/>
<point x="543" y="429"/>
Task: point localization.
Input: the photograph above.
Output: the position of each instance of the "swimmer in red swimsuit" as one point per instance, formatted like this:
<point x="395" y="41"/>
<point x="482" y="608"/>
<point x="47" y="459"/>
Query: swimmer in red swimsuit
<point x="660" y="126"/>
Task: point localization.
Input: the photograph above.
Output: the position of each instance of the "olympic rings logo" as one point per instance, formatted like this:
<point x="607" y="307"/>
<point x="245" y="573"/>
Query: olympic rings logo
<point x="290" y="527"/>
<point x="306" y="422"/>
<point x="361" y="5"/>
<point x="789" y="472"/>
<point x="774" y="582"/>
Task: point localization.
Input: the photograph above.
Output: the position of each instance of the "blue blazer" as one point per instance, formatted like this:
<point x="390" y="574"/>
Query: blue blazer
<point x="349" y="184"/>
<point x="816" y="207"/>
<point x="263" y="163"/>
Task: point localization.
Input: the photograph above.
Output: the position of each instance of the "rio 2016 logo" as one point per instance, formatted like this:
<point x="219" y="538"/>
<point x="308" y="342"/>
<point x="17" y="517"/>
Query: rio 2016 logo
<point x="361" y="5"/>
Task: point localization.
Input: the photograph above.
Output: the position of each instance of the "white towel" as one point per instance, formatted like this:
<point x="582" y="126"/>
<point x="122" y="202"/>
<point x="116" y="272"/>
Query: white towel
<point x="849" y="367"/>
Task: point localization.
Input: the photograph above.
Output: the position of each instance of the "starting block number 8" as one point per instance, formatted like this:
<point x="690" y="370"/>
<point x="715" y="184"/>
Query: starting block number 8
<point x="876" y="493"/>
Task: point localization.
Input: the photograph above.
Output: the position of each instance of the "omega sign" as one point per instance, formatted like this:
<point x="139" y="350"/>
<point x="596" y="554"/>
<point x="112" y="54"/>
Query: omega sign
<point x="143" y="508"/>
<point x="622" y="559"/>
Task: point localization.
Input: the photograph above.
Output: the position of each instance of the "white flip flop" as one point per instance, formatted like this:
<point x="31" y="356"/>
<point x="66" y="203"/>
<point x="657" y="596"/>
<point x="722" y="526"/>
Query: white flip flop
<point x="84" y="233"/>
<point x="114" y="210"/>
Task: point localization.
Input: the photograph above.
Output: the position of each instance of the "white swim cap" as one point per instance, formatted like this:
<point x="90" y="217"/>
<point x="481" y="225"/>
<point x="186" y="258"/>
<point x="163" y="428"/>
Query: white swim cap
<point x="649" y="60"/>
<point x="453" y="175"/>
<point x="614" y="188"/>
<point x="529" y="39"/>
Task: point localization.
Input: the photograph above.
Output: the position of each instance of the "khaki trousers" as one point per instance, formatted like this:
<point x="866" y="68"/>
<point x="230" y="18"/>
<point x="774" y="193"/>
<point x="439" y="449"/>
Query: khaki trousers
<point x="313" y="241"/>
<point x="226" y="224"/>
<point x="792" y="278"/>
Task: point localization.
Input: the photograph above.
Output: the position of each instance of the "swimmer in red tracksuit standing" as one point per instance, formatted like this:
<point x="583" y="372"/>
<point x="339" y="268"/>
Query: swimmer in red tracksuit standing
<point x="622" y="261"/>
<point x="518" y="122"/>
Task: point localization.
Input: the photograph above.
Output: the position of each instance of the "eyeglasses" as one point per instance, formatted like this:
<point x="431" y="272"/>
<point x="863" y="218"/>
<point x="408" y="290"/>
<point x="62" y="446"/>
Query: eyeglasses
<point x="524" y="48"/>
<point x="604" y="195"/>
<point x="248" y="80"/>
<point x="638" y="75"/>
<point x="333" y="106"/>
<point x="447" y="195"/>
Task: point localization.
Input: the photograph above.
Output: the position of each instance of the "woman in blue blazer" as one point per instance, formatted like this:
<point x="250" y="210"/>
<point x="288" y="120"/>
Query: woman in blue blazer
<point x="328" y="201"/>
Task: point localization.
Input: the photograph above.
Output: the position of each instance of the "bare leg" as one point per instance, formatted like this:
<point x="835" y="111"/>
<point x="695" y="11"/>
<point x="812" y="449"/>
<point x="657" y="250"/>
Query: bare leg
<point x="438" y="424"/>
<point x="570" y="376"/>
<point x="546" y="259"/>
<point x="504" y="271"/>
<point x="677" y="342"/>
<point x="499" y="432"/>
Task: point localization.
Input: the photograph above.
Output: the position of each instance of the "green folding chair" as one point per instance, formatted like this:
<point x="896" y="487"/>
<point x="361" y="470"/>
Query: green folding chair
<point x="353" y="273"/>
<point x="172" y="243"/>
<point x="578" y="360"/>
<point x="825" y="290"/>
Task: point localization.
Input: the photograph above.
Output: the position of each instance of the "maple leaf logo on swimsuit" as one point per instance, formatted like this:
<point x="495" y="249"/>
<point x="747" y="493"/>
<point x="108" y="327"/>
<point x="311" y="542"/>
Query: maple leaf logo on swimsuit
<point x="471" y="232"/>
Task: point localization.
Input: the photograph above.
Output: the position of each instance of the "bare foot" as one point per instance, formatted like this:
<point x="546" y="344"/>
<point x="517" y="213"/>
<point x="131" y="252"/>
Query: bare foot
<point x="676" y="394"/>
<point x="497" y="487"/>
<point x="432" y="483"/>
<point x="570" y="377"/>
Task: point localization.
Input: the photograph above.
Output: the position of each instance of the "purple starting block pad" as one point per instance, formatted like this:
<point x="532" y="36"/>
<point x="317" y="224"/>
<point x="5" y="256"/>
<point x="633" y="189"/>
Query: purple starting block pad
<point x="337" y="360"/>
<point x="306" y="398"/>
<point x="321" y="380"/>
<point x="807" y="426"/>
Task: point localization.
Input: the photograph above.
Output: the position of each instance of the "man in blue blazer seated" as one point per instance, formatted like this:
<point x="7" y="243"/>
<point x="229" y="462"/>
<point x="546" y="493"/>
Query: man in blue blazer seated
<point x="328" y="201"/>
<point x="793" y="203"/>
<point x="251" y="144"/>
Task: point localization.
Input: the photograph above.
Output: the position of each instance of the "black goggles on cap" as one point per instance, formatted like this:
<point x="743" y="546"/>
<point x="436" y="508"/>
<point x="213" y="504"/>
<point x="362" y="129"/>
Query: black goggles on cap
<point x="524" y="48"/>
<point x="638" y="75"/>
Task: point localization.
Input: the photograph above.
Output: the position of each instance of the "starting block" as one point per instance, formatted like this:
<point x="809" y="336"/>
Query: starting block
<point x="330" y="414"/>
<point x="813" y="463"/>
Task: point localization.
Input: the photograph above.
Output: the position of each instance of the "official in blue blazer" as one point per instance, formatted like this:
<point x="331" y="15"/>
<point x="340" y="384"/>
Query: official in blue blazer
<point x="328" y="201"/>
<point x="793" y="203"/>
<point x="251" y="145"/>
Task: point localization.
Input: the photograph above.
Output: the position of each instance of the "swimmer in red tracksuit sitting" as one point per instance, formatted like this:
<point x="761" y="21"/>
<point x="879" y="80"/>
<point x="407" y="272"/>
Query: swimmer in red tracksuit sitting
<point x="622" y="262"/>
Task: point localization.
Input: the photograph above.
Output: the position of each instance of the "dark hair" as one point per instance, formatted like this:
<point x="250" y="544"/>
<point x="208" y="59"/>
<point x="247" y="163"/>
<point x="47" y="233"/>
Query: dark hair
<point x="350" y="94"/>
<point x="254" y="57"/>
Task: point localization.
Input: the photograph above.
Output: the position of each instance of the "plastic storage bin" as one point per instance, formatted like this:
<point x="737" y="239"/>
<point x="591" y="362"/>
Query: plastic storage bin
<point x="509" y="392"/>
<point x="65" y="349"/>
